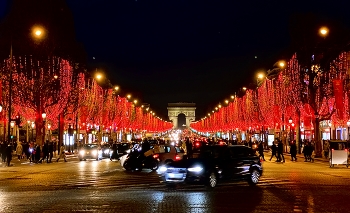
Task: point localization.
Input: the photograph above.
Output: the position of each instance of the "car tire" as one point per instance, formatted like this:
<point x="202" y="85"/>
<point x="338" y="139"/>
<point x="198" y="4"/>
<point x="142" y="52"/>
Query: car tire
<point x="254" y="177"/>
<point x="127" y="167"/>
<point x="80" y="159"/>
<point x="155" y="166"/>
<point x="212" y="180"/>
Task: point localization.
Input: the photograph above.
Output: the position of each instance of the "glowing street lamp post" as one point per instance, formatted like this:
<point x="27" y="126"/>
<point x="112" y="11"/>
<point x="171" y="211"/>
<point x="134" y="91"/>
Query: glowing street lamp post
<point x="33" y="125"/>
<point x="44" y="130"/>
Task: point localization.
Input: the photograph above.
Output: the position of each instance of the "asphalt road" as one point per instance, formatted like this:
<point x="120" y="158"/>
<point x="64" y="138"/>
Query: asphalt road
<point x="104" y="186"/>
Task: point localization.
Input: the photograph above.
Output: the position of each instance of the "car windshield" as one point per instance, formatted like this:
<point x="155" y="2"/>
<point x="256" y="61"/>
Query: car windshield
<point x="90" y="146"/>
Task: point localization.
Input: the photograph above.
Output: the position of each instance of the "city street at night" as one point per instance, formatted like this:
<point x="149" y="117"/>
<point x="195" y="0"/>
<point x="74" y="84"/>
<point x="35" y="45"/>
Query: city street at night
<point x="104" y="186"/>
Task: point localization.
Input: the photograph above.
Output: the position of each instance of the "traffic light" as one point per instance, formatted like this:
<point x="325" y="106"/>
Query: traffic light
<point x="18" y="120"/>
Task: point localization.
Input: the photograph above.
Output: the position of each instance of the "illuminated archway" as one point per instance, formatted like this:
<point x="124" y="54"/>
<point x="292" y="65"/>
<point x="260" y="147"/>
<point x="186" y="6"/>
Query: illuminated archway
<point x="175" y="109"/>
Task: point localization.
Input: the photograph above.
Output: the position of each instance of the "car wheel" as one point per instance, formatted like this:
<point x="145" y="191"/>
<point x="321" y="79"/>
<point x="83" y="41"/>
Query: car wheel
<point x="212" y="180"/>
<point x="80" y="159"/>
<point x="155" y="166"/>
<point x="127" y="167"/>
<point x="254" y="177"/>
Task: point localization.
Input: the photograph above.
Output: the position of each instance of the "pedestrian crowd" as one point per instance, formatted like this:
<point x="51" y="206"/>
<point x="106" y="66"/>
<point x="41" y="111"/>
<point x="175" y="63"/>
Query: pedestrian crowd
<point x="32" y="152"/>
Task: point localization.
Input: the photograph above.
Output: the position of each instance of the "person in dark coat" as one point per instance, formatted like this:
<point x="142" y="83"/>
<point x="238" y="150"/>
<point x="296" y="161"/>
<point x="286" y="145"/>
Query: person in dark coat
<point x="306" y="151"/>
<point x="50" y="151"/>
<point x="188" y="148"/>
<point x="293" y="151"/>
<point x="8" y="154"/>
<point x="261" y="151"/>
<point x="45" y="153"/>
<point x="3" y="151"/>
<point x="274" y="151"/>
<point x="37" y="153"/>
<point x="280" y="151"/>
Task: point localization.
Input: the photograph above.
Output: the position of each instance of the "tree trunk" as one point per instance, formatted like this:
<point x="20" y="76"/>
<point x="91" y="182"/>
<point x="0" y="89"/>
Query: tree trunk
<point x="318" y="144"/>
<point x="298" y="135"/>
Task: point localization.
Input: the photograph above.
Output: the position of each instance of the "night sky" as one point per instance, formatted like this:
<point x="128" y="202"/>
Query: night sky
<point x="188" y="51"/>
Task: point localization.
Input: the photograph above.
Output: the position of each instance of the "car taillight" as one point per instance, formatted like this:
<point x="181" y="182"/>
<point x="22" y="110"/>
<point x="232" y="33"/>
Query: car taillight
<point x="155" y="156"/>
<point x="177" y="157"/>
<point x="332" y="150"/>
<point x="346" y="150"/>
<point x="197" y="144"/>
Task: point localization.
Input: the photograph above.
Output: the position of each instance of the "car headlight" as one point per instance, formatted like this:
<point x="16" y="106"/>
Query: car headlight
<point x="82" y="152"/>
<point x="128" y="151"/>
<point x="94" y="152"/>
<point x="162" y="169"/>
<point x="106" y="151"/>
<point x="195" y="169"/>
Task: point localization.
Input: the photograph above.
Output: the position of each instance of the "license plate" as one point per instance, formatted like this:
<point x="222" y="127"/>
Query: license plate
<point x="175" y="175"/>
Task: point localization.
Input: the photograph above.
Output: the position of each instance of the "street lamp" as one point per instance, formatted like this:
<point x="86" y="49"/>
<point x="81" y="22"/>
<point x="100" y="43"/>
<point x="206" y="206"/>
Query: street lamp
<point x="33" y="125"/>
<point x="323" y="31"/>
<point x="43" y="115"/>
<point x="12" y="125"/>
<point x="49" y="133"/>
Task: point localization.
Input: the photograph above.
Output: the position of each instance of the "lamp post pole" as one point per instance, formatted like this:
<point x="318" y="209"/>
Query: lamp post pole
<point x="43" y="115"/>
<point x="33" y="125"/>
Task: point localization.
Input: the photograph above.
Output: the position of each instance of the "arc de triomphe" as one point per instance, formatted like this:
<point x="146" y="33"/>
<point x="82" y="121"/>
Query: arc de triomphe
<point x="175" y="109"/>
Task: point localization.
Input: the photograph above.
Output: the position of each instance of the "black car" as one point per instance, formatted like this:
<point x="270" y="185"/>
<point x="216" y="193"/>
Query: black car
<point x="215" y="163"/>
<point x="106" y="150"/>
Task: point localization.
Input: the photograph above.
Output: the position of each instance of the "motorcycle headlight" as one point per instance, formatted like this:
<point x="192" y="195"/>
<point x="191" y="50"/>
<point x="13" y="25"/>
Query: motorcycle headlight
<point x="82" y="152"/>
<point x="94" y="152"/>
<point x="106" y="151"/>
<point x="195" y="169"/>
<point x="128" y="151"/>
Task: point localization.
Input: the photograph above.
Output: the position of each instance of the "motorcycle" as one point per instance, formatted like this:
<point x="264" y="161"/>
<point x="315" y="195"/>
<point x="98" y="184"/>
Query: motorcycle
<point x="136" y="161"/>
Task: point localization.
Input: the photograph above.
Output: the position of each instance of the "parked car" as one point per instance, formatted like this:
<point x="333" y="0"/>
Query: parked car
<point x="215" y="163"/>
<point x="90" y="151"/>
<point x="169" y="153"/>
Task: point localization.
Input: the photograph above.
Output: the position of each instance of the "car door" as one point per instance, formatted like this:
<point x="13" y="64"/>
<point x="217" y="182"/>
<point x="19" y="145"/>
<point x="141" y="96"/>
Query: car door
<point x="224" y="161"/>
<point x="238" y="164"/>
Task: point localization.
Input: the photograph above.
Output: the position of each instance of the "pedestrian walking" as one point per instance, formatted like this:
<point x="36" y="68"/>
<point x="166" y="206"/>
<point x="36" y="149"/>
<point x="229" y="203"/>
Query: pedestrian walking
<point x="293" y="151"/>
<point x="3" y="151"/>
<point x="8" y="154"/>
<point x="19" y="151"/>
<point x="261" y="151"/>
<point x="37" y="153"/>
<point x="326" y="149"/>
<point x="45" y="153"/>
<point x="280" y="151"/>
<point x="62" y="154"/>
<point x="188" y="148"/>
<point x="274" y="151"/>
<point x="50" y="151"/>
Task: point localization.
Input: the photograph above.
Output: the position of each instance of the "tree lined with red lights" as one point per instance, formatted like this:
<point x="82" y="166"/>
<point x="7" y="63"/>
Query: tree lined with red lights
<point x="284" y="94"/>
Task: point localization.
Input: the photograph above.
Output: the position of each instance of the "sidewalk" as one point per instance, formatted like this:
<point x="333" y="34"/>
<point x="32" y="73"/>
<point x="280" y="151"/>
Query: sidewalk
<point x="15" y="162"/>
<point x="299" y="156"/>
